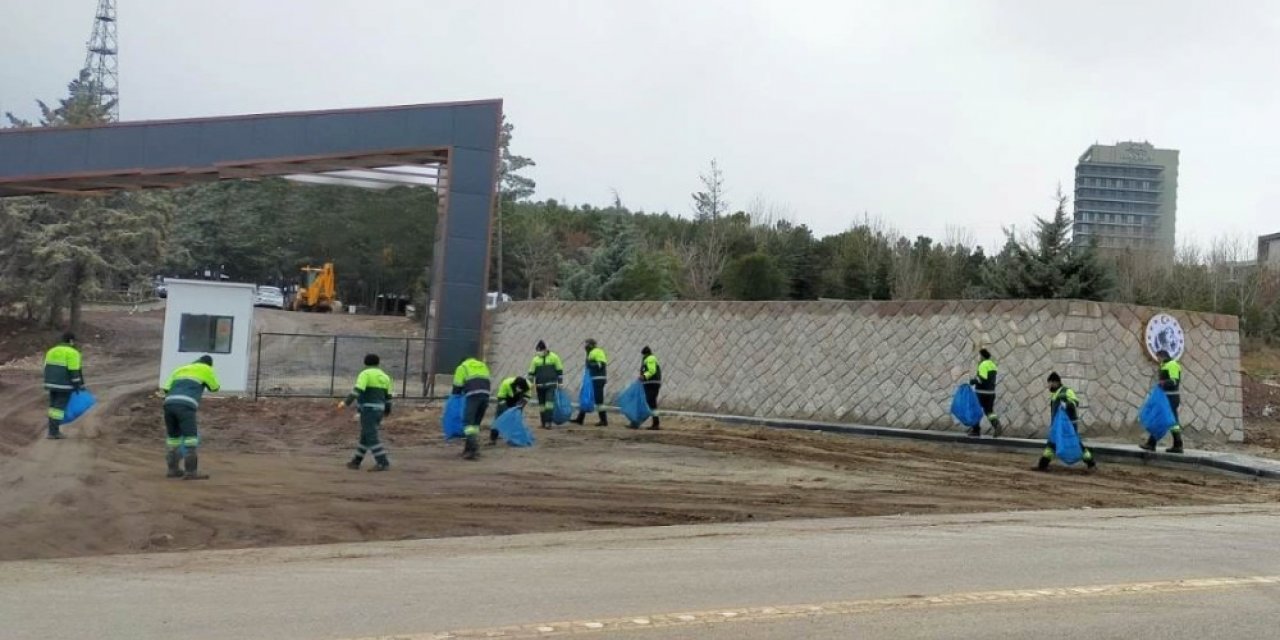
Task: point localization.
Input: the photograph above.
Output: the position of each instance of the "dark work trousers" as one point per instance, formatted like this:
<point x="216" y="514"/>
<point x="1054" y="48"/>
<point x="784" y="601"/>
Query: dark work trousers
<point x="473" y="413"/>
<point x="988" y="403"/>
<point x="651" y="399"/>
<point x="180" y="426"/>
<point x="472" y="416"/>
<point x="182" y="438"/>
<point x="58" y="400"/>
<point x="546" y="402"/>
<point x="370" y="439"/>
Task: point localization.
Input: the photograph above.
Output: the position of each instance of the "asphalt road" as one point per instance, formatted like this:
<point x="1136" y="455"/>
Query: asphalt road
<point x="1170" y="573"/>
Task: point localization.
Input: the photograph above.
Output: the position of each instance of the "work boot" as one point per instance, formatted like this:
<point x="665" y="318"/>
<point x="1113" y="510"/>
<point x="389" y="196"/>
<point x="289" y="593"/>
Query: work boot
<point x="996" y="429"/>
<point x="1091" y="464"/>
<point x="1043" y="465"/>
<point x="975" y="432"/>
<point x="493" y="437"/>
<point x="471" y="450"/>
<point x="546" y="421"/>
<point x="1177" y="443"/>
<point x="383" y="465"/>
<point x="172" y="458"/>
<point x="354" y="464"/>
<point x="580" y="419"/>
<point x="1149" y="445"/>
<point x="604" y="419"/>
<point x="657" y="424"/>
<point x="192" y="463"/>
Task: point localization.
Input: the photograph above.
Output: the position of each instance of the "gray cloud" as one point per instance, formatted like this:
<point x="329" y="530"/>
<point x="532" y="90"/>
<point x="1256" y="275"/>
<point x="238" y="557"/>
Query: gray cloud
<point x="926" y="114"/>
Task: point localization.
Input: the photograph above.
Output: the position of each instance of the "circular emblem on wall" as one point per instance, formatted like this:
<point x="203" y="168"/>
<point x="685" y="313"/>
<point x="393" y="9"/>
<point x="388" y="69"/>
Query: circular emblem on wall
<point x="1165" y="334"/>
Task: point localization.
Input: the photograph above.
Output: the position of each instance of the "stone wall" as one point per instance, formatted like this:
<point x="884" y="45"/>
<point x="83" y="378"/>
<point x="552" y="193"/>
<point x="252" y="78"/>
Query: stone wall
<point x="889" y="363"/>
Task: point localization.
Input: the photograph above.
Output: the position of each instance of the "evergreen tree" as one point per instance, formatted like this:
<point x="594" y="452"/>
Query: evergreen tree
<point x="1050" y="269"/>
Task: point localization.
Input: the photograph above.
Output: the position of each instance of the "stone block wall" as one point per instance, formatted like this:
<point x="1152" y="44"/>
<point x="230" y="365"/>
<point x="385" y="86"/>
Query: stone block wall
<point x="888" y="363"/>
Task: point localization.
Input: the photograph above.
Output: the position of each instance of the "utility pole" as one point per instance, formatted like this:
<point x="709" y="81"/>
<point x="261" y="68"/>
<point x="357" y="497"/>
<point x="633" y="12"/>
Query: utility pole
<point x="101" y="59"/>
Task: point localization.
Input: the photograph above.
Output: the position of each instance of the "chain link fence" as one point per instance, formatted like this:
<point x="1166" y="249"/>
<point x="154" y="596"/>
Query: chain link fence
<point x="298" y="365"/>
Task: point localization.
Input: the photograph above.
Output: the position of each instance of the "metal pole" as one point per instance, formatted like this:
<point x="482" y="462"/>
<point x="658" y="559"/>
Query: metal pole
<point x="404" y="385"/>
<point x="257" y="376"/>
<point x="333" y="366"/>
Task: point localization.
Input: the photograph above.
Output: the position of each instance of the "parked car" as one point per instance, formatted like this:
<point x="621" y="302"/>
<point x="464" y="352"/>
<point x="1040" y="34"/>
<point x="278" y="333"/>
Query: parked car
<point x="271" y="297"/>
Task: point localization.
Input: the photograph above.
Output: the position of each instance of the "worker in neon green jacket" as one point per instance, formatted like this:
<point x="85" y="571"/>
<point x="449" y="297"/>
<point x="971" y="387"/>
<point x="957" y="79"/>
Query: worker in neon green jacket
<point x="183" y="392"/>
<point x="62" y="377"/>
<point x="471" y="381"/>
<point x="372" y="395"/>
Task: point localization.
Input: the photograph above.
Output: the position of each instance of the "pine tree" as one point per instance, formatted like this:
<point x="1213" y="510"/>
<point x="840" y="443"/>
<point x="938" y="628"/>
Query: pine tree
<point x="1052" y="268"/>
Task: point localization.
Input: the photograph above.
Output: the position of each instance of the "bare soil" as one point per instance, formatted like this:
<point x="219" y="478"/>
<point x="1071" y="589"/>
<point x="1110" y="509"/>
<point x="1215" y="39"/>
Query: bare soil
<point x="278" y="475"/>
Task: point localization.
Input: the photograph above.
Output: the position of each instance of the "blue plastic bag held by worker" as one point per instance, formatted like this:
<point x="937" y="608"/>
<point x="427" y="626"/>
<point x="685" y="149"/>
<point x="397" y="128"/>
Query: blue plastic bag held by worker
<point x="1066" y="442"/>
<point x="633" y="405"/>
<point x="511" y="427"/>
<point x="563" y="410"/>
<point x="1156" y="415"/>
<point x="965" y="407"/>
<point x="453" y="408"/>
<point x="80" y="403"/>
<point x="587" y="396"/>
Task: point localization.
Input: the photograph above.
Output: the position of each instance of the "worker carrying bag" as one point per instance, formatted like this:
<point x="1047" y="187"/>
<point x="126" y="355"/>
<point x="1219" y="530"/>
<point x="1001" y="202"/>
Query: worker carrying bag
<point x="80" y="403"/>
<point x="965" y="407"/>
<point x="1066" y="442"/>
<point x="587" y="396"/>
<point x="633" y="405"/>
<point x="1156" y="415"/>
<point x="563" y="409"/>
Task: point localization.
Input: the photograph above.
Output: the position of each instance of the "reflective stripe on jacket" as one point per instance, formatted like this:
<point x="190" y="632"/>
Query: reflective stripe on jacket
<point x="62" y="369"/>
<point x="187" y="384"/>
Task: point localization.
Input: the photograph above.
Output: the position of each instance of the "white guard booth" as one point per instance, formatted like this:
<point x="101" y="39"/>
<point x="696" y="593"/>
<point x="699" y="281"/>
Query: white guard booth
<point x="209" y="318"/>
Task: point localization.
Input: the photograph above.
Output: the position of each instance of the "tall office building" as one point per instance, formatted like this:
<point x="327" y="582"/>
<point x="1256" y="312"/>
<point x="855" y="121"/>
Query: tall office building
<point x="1126" y="196"/>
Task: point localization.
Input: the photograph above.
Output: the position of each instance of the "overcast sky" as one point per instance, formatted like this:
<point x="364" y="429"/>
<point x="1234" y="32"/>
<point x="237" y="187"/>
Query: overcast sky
<point x="925" y="114"/>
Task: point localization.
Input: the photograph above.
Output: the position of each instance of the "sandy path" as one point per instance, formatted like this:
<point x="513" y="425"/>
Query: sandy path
<point x="278" y="475"/>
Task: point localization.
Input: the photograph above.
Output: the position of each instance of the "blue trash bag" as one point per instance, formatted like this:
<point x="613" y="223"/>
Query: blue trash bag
<point x="633" y="405"/>
<point x="80" y="403"/>
<point x="587" y="396"/>
<point x="1156" y="415"/>
<point x="965" y="407"/>
<point x="1066" y="442"/>
<point x="511" y="427"/>
<point x="563" y="409"/>
<point x="453" y="422"/>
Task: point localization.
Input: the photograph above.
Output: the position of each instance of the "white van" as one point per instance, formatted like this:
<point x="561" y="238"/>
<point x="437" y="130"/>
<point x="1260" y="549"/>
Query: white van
<point x="494" y="299"/>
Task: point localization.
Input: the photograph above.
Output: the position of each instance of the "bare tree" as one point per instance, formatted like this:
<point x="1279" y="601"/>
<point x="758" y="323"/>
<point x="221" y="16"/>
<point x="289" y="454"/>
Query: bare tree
<point x="702" y="260"/>
<point x="536" y="251"/>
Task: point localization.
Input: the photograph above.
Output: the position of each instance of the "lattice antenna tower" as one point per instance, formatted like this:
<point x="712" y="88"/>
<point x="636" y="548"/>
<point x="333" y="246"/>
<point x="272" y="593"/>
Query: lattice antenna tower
<point x="101" y="58"/>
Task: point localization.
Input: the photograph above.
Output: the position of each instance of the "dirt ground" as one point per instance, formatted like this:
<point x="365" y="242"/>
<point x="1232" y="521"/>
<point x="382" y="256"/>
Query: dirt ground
<point x="278" y="476"/>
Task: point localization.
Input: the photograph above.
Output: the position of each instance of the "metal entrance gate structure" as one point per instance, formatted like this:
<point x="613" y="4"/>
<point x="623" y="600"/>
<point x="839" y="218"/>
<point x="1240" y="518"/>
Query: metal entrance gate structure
<point x="451" y="146"/>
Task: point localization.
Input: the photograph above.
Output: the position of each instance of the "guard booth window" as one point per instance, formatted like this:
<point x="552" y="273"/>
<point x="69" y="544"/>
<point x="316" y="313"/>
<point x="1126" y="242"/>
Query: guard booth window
<point x="205" y="334"/>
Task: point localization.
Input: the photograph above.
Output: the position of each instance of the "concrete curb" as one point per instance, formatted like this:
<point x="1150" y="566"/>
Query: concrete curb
<point x="1232" y="463"/>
